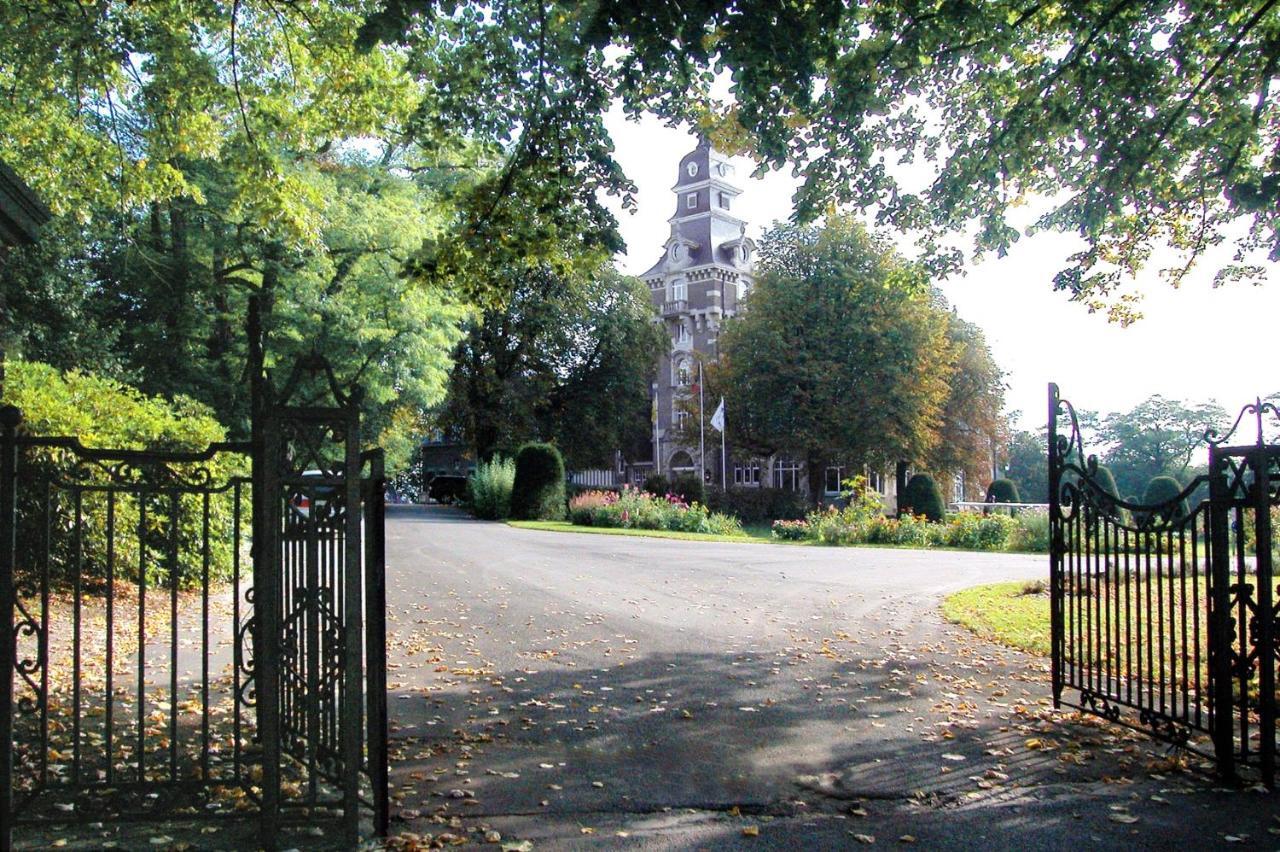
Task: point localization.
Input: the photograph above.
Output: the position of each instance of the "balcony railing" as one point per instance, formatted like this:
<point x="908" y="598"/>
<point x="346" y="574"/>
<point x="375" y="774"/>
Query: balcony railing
<point x="675" y="308"/>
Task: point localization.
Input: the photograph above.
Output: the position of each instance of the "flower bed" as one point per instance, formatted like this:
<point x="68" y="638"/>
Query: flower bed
<point x="862" y="521"/>
<point x="635" y="509"/>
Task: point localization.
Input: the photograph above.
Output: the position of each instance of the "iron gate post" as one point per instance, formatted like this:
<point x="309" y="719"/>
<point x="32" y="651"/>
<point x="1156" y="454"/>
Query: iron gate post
<point x="376" y="640"/>
<point x="266" y="605"/>
<point x="353" y="617"/>
<point x="1055" y="551"/>
<point x="10" y="417"/>
<point x="1220" y="633"/>
<point x="1265" y="640"/>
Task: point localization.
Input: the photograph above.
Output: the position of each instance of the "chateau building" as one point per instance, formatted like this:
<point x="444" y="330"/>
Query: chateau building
<point x="701" y="280"/>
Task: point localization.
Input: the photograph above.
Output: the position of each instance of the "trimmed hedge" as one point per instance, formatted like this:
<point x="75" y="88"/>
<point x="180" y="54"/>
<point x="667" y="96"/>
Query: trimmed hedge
<point x="689" y="488"/>
<point x="1003" y="491"/>
<point x="1162" y="489"/>
<point x="657" y="485"/>
<point x="537" y="493"/>
<point x="758" y="505"/>
<point x="923" y="497"/>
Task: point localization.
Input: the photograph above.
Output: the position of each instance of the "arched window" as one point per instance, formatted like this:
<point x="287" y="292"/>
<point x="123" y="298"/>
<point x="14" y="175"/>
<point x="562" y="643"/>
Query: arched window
<point x="681" y="375"/>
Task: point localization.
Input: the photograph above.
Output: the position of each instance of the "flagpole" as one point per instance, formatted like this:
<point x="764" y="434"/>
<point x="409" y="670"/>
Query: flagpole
<point x="702" y="438"/>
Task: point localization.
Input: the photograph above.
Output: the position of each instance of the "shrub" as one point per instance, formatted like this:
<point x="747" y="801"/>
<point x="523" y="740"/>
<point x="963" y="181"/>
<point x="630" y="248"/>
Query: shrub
<point x="851" y="524"/>
<point x="489" y="488"/>
<point x="656" y="484"/>
<point x="908" y="531"/>
<point x="1161" y="490"/>
<point x="790" y="530"/>
<point x="1003" y="491"/>
<point x="1032" y="532"/>
<point x="104" y="413"/>
<point x="537" y="494"/>
<point x="922" y="497"/>
<point x="758" y="505"/>
<point x="975" y="531"/>
<point x="689" y="488"/>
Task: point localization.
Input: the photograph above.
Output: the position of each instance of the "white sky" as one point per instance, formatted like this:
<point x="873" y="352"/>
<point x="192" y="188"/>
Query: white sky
<point x="1194" y="344"/>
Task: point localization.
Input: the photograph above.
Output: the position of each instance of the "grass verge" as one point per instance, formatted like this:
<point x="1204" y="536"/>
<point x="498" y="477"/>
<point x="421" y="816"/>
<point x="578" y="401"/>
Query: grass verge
<point x="751" y="535"/>
<point x="1004" y="612"/>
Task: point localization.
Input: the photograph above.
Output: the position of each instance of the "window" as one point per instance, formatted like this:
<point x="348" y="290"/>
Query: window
<point x="691" y="200"/>
<point x="724" y="200"/>
<point x="832" y="480"/>
<point x="786" y="474"/>
<point x="692" y="169"/>
<point x="679" y="290"/>
<point x="679" y="417"/>
<point x="875" y="480"/>
<point x="747" y="474"/>
<point x="680" y="372"/>
<point x="682" y="333"/>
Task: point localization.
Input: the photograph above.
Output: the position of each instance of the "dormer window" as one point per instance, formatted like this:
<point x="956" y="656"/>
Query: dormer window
<point x="691" y="200"/>
<point x="692" y="169"/>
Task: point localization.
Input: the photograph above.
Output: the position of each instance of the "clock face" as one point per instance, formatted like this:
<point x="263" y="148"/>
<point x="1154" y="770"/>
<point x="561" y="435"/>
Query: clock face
<point x="692" y="169"/>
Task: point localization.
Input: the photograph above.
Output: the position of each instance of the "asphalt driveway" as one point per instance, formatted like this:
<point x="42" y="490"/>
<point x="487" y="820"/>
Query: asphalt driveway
<point x="584" y="690"/>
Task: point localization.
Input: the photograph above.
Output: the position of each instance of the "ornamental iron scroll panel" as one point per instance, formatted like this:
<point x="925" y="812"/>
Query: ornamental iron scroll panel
<point x="321" y="559"/>
<point x="1153" y="607"/>
<point x="126" y="594"/>
<point x="1244" y="492"/>
<point x="196" y="632"/>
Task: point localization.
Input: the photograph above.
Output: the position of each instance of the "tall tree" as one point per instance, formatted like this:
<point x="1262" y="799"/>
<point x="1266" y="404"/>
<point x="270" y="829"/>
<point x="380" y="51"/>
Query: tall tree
<point x="1027" y="464"/>
<point x="564" y="359"/>
<point x="973" y="417"/>
<point x="214" y="152"/>
<point x="840" y="354"/>
<point x="1158" y="437"/>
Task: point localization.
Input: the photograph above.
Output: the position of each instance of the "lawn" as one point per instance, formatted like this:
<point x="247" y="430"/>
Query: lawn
<point x="751" y="534"/>
<point x="1004" y="613"/>
<point x="1132" y="624"/>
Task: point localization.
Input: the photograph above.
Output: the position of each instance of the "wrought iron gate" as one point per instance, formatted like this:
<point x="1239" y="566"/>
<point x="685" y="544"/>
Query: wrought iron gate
<point x="1163" y="615"/>
<point x="195" y="632"/>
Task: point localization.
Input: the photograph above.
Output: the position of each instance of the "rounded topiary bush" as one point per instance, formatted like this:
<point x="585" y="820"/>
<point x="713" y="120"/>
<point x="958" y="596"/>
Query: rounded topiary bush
<point x="1106" y="481"/>
<point x="1003" y="491"/>
<point x="1162" y="489"/>
<point x="537" y="494"/>
<point x="923" y="497"/>
<point x="657" y="485"/>
<point x="689" y="488"/>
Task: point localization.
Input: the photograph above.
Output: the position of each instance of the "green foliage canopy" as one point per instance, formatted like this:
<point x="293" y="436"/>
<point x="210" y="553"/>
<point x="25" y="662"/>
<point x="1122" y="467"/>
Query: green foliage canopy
<point x="840" y="353"/>
<point x="1138" y="122"/>
<point x="104" y="413"/>
<point x="564" y="358"/>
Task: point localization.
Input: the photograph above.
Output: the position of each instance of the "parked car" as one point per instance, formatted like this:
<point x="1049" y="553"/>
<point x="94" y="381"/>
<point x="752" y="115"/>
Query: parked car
<point x="445" y="488"/>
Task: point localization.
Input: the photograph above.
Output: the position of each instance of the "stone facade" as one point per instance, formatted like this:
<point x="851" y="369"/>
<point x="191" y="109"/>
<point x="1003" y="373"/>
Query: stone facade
<point x="705" y="272"/>
<point x="700" y="281"/>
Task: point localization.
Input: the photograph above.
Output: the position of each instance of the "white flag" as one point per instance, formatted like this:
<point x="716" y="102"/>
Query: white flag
<point x="717" y="419"/>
